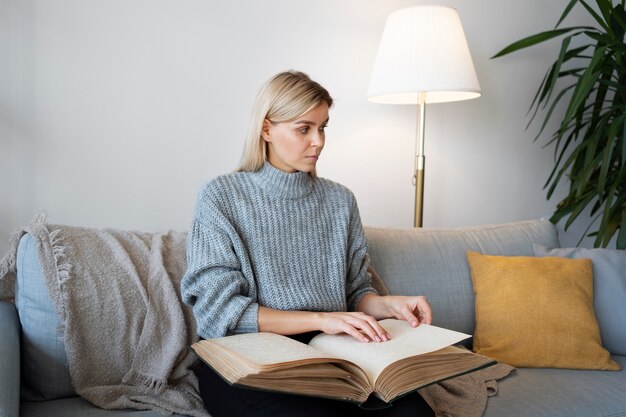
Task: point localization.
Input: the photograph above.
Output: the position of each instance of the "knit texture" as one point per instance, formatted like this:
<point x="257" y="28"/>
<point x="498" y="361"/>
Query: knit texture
<point x="281" y="240"/>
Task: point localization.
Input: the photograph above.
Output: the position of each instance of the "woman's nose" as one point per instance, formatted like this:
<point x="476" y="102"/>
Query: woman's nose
<point x="318" y="139"/>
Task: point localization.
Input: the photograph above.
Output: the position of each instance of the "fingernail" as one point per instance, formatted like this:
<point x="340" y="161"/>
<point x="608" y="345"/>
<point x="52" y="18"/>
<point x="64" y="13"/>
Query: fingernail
<point x="377" y="338"/>
<point x="414" y="323"/>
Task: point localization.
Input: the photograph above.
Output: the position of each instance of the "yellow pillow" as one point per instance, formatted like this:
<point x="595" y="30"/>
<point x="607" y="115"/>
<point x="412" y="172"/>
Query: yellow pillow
<point x="537" y="312"/>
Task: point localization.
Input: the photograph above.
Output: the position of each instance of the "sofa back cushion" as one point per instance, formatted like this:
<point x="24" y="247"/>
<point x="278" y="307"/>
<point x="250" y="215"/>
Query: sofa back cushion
<point x="45" y="373"/>
<point x="433" y="262"/>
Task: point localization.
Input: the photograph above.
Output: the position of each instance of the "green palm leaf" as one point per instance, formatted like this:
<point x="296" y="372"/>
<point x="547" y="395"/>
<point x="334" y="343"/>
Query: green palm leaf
<point x="589" y="75"/>
<point x="538" y="38"/>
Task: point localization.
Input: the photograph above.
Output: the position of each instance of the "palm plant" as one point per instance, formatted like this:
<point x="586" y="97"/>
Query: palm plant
<point x="590" y="142"/>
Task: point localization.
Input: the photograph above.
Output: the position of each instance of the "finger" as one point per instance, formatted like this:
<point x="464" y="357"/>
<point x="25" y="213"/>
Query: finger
<point x="352" y="331"/>
<point x="368" y="325"/>
<point x="408" y="315"/>
<point x="380" y="331"/>
<point x="425" y="312"/>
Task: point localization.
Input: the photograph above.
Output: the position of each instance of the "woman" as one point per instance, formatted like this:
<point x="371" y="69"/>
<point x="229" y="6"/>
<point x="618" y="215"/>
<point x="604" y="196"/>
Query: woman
<point x="274" y="248"/>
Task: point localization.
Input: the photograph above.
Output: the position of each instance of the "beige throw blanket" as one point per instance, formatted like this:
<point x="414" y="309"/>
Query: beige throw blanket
<point x="127" y="332"/>
<point x="466" y="395"/>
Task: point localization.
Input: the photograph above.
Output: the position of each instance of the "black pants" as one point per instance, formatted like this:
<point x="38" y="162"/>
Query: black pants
<point x="223" y="400"/>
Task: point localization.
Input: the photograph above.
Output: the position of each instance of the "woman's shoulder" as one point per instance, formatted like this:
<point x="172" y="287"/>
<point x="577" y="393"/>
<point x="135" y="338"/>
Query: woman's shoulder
<point x="218" y="196"/>
<point x="219" y="191"/>
<point x="223" y="184"/>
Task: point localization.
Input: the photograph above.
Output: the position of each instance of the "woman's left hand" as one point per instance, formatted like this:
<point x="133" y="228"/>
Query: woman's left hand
<point x="414" y="309"/>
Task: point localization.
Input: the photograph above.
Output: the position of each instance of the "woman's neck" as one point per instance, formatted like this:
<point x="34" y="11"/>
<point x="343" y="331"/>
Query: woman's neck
<point x="283" y="184"/>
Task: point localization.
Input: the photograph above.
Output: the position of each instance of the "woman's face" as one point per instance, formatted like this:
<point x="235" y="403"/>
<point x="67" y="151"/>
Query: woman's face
<point x="296" y="145"/>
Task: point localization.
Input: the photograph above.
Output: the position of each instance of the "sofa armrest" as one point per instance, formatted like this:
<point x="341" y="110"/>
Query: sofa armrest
<point x="9" y="361"/>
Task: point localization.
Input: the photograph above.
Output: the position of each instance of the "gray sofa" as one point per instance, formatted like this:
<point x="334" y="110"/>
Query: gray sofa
<point x="34" y="380"/>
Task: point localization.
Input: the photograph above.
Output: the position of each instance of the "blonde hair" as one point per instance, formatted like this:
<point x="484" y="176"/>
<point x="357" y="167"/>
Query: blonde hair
<point x="285" y="97"/>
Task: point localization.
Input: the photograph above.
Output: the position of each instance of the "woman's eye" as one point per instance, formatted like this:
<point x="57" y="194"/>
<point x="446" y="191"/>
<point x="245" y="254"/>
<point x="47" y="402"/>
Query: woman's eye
<point x="304" y="130"/>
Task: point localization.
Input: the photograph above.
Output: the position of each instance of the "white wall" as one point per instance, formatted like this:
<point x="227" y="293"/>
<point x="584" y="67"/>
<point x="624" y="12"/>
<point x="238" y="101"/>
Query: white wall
<point x="113" y="113"/>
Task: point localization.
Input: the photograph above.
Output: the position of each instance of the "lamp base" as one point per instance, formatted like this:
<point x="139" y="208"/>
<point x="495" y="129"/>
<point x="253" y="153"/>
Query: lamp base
<point x="419" y="193"/>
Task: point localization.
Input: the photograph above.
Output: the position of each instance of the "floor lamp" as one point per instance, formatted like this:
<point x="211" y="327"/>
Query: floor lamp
<point x="423" y="58"/>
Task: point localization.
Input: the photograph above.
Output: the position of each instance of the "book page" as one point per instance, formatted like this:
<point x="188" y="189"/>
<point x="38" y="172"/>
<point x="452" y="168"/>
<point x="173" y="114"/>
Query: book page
<point x="405" y="341"/>
<point x="268" y="348"/>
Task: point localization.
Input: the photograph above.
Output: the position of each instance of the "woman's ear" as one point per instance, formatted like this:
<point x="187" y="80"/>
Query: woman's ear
<point x="265" y="130"/>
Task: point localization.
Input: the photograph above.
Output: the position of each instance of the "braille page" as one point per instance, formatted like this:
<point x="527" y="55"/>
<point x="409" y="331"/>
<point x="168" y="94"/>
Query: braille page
<point x="405" y="341"/>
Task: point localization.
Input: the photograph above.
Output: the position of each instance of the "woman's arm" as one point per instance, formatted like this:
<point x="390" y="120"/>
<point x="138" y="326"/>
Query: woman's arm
<point x="214" y="285"/>
<point x="358" y="325"/>
<point x="415" y="310"/>
<point x="361" y="324"/>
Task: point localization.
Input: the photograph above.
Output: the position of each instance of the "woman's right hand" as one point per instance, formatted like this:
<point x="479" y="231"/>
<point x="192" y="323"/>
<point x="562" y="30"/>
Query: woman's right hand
<point x="358" y="325"/>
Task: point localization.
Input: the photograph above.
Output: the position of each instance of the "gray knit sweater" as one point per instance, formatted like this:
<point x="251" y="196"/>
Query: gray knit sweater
<point x="275" y="239"/>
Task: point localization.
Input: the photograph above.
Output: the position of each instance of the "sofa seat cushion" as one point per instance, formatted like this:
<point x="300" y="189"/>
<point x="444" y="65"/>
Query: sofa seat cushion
<point x="9" y="360"/>
<point x="78" y="407"/>
<point x="542" y="392"/>
<point x="433" y="262"/>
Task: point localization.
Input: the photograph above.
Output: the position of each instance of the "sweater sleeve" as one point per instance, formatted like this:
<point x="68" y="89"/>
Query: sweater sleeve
<point x="358" y="281"/>
<point x="214" y="285"/>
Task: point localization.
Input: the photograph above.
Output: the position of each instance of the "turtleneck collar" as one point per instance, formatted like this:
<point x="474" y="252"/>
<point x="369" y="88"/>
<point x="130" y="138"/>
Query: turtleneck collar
<point x="283" y="184"/>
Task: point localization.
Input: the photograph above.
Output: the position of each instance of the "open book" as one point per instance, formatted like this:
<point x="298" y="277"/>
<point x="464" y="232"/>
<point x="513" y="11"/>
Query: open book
<point x="339" y="366"/>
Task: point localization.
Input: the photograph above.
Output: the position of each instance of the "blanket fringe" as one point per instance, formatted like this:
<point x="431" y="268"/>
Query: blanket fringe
<point x="9" y="261"/>
<point x="62" y="271"/>
<point x="8" y="270"/>
<point x="150" y="382"/>
<point x="41" y="218"/>
<point x="64" y="268"/>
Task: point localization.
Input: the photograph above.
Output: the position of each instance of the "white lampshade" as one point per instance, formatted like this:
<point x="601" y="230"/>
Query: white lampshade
<point x="423" y="50"/>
